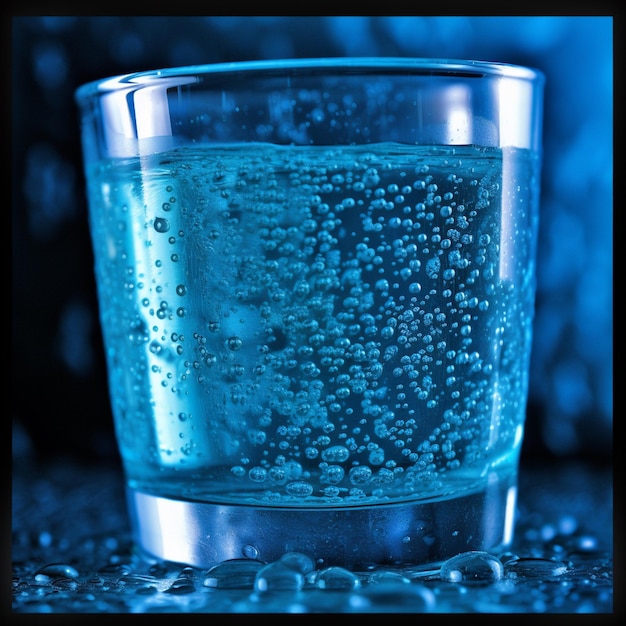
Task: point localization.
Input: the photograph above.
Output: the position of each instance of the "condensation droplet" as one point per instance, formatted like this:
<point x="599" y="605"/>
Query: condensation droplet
<point x="250" y="551"/>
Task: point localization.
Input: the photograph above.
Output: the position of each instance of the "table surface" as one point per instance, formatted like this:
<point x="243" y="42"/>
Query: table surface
<point x="72" y="553"/>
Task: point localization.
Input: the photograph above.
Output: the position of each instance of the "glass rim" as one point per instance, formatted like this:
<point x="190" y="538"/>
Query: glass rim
<point x="464" y="68"/>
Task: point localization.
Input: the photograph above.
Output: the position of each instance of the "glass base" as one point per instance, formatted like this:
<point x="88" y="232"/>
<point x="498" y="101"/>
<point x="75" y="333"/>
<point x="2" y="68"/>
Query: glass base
<point x="202" y="534"/>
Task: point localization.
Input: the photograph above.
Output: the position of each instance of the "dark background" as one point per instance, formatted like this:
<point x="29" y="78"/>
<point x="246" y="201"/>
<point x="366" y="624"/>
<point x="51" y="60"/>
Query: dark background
<point x="60" y="404"/>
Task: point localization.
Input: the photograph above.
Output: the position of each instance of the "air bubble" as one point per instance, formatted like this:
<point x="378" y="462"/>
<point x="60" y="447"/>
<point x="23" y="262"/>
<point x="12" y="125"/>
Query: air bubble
<point x="336" y="454"/>
<point x="387" y="332"/>
<point x="161" y="225"/>
<point x="234" y="343"/>
<point x="257" y="437"/>
<point x="377" y="456"/>
<point x="332" y="474"/>
<point x="299" y="488"/>
<point x="449" y="274"/>
<point x="311" y="453"/>
<point x="360" y="475"/>
<point x="257" y="474"/>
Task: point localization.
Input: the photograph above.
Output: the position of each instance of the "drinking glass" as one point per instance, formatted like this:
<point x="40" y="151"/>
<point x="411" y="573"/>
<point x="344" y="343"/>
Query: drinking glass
<point x="316" y="284"/>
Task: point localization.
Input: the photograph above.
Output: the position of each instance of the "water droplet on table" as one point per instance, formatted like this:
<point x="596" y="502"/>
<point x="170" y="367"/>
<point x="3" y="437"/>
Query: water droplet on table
<point x="234" y="574"/>
<point x="472" y="567"/>
<point x="57" y="570"/>
<point x="393" y="598"/>
<point x="298" y="561"/>
<point x="278" y="576"/>
<point x="184" y="583"/>
<point x="534" y="568"/>
<point x="337" y="578"/>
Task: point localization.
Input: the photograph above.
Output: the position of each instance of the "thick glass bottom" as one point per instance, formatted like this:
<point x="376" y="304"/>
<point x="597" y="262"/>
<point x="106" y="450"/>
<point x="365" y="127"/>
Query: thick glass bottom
<point x="201" y="534"/>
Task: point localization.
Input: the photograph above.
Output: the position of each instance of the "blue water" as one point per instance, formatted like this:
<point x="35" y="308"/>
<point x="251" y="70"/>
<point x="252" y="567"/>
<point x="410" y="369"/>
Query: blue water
<point x="305" y="326"/>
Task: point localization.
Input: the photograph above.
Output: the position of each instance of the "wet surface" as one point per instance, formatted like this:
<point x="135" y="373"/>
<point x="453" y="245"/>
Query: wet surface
<point x="72" y="553"/>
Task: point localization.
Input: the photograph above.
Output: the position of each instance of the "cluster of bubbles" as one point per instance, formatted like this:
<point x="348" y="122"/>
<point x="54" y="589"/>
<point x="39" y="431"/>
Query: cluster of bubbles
<point x="338" y="316"/>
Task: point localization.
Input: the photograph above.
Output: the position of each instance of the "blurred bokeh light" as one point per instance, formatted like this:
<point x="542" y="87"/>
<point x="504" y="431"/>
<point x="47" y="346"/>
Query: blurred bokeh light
<point x="59" y="396"/>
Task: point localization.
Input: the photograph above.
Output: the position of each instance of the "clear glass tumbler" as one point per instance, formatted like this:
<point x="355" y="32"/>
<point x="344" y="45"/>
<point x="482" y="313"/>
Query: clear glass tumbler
<point x="316" y="283"/>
